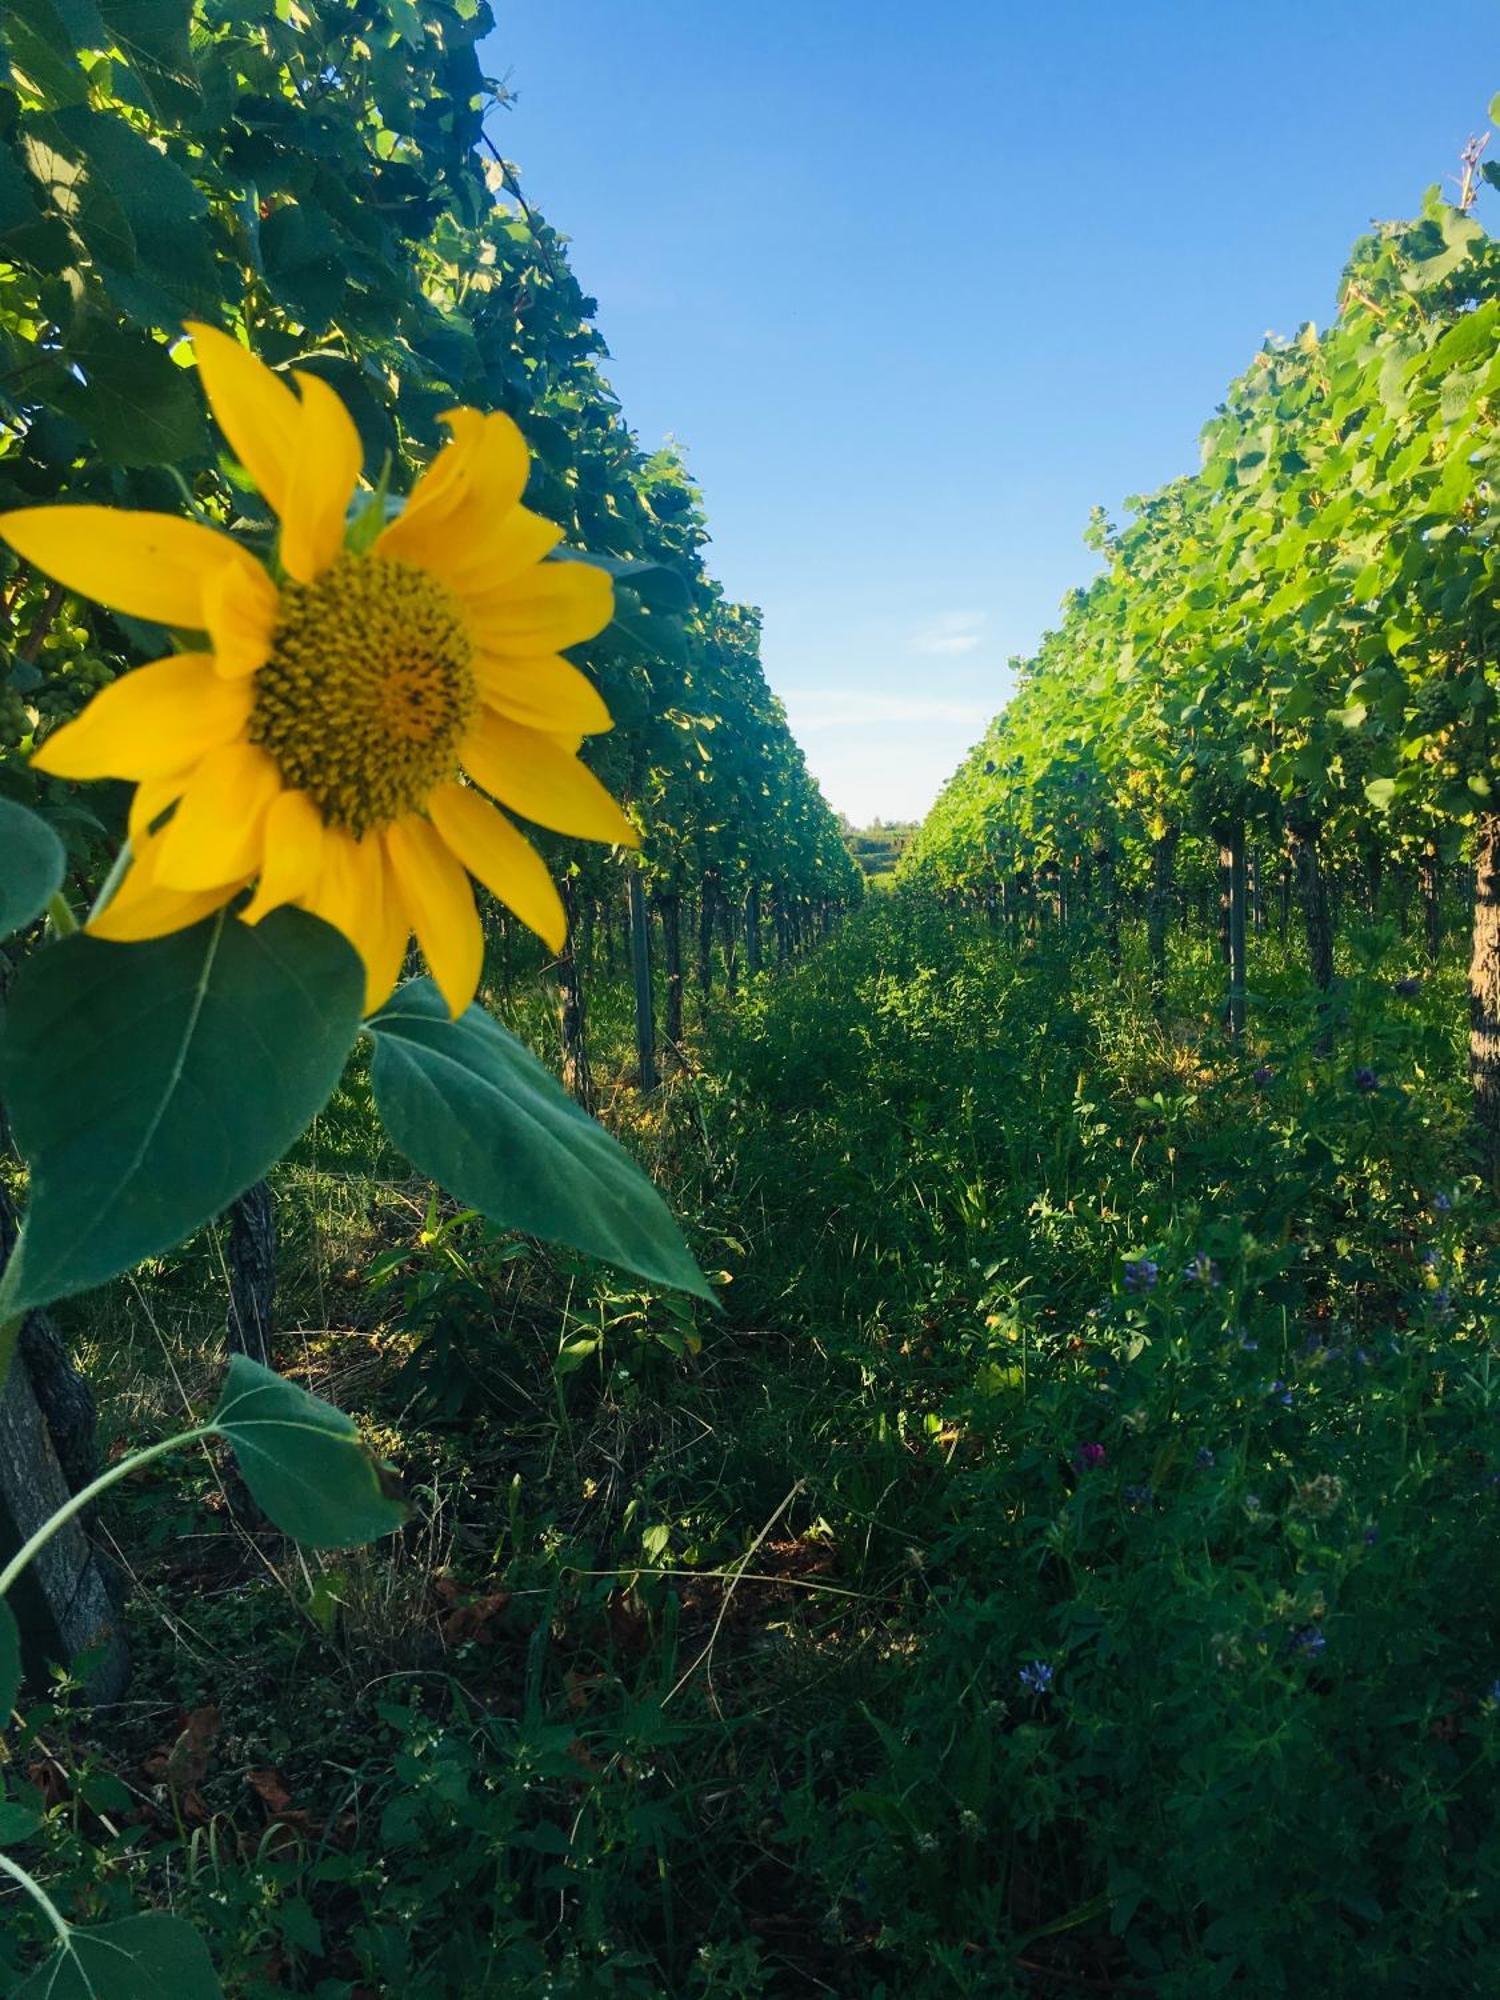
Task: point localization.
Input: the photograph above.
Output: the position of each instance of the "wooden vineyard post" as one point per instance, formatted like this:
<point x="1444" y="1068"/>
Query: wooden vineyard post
<point x="708" y="892"/>
<point x="1432" y="903"/>
<point x="640" y="968"/>
<point x="729" y="920"/>
<point x="671" y="939"/>
<point x="1237" y="968"/>
<point x="252" y="1274"/>
<point x="61" y="1601"/>
<point x="577" y="1076"/>
<point x="1158" y="911"/>
<point x="752" y="930"/>
<point x="1109" y="896"/>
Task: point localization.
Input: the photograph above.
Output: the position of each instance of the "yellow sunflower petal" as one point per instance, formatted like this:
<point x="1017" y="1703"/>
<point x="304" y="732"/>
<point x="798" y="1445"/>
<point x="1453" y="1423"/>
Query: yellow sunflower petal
<point x="387" y="924"/>
<point x="356" y="893"/>
<point x="481" y="558"/>
<point x="141" y="908"/>
<point x="216" y="834"/>
<point x="147" y="565"/>
<point x="291" y="850"/>
<point x="149" y="722"/>
<point x="547" y="693"/>
<point x="329" y="455"/>
<point x="255" y="409"/>
<point x="503" y="859"/>
<point x="436" y="891"/>
<point x="150" y="801"/>
<point x="241" y="609"/>
<point x="542" y="780"/>
<point x="475" y="479"/>
<point x="554" y="605"/>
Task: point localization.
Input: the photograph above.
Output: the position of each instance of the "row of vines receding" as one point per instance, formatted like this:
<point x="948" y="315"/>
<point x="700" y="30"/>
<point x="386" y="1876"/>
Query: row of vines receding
<point x="1282" y="684"/>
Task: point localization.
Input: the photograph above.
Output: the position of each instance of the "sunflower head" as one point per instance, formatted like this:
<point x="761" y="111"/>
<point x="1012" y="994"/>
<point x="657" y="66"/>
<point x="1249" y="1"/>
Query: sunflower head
<point x="346" y="720"/>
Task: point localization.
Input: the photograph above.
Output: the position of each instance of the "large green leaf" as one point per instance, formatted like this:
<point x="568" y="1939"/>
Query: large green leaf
<point x="10" y="1662"/>
<point x="31" y="866"/>
<point x="149" y="1957"/>
<point x="17" y="1822"/>
<point x="304" y="1461"/>
<point x="477" y="1112"/>
<point x="149" y="1084"/>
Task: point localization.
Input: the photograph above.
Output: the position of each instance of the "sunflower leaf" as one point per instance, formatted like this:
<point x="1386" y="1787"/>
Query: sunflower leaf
<point x="150" y="1084"/>
<point x="304" y="1461"/>
<point x="137" y="1958"/>
<point x="475" y="1110"/>
<point x="34" y="864"/>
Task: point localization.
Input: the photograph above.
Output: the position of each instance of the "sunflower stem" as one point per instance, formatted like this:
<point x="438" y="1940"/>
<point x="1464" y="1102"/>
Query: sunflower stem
<point x="38" y="1896"/>
<point x="112" y="880"/>
<point x="86" y="1495"/>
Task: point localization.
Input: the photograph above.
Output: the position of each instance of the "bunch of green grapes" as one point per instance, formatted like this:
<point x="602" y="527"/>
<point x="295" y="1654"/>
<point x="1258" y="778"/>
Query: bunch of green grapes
<point x="15" y="719"/>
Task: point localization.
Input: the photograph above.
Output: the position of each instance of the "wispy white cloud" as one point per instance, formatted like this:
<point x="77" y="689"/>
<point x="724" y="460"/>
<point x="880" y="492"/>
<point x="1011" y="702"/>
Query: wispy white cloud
<point x="949" y="634"/>
<point x="864" y="708"/>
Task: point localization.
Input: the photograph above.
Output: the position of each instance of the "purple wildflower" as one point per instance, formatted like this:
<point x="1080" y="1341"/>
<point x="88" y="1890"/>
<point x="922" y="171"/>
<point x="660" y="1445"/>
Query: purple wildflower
<point x="1372" y="1536"/>
<point x="1089" y="1457"/>
<point x="1140" y="1274"/>
<point x="1366" y="1079"/>
<point x="1203" y="1271"/>
<point x="1409" y="987"/>
<point x="1263" y="1076"/>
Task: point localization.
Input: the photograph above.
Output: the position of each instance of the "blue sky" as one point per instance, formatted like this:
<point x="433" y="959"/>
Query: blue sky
<point x="915" y="287"/>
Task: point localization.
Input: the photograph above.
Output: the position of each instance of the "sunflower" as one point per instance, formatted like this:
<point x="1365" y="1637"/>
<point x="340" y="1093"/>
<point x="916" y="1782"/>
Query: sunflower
<point x="330" y="735"/>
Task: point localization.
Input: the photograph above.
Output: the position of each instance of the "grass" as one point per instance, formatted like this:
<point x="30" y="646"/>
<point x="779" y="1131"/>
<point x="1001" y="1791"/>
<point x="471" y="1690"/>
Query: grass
<point x="1065" y="1567"/>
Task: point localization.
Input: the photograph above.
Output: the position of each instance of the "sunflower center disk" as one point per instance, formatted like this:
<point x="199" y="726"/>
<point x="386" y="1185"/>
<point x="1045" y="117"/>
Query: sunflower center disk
<point x="367" y="691"/>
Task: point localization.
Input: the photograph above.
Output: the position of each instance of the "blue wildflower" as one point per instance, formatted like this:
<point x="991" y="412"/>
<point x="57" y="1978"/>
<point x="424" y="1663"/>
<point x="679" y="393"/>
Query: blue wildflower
<point x="1308" y="1641"/>
<point x="1137" y="1496"/>
<point x="1366" y="1079"/>
<point x="1442" y="1202"/>
<point x="1205" y="1457"/>
<point x="1203" y="1271"/>
<point x="1140" y="1274"/>
<point x="1264" y="1075"/>
<point x="1036" y="1677"/>
<point x="1372" y="1536"/>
